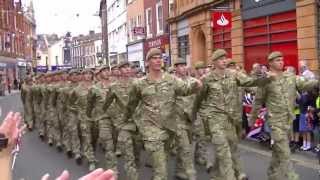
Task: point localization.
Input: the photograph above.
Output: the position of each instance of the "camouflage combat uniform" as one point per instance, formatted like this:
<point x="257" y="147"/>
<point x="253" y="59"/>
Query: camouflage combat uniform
<point x="126" y="129"/>
<point x="218" y="98"/>
<point x="52" y="115"/>
<point x="27" y="100"/>
<point x="279" y="96"/>
<point x="154" y="102"/>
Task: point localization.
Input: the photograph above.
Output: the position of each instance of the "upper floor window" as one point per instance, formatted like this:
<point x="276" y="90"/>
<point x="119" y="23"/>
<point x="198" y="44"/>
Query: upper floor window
<point x="149" y="21"/>
<point x="159" y="12"/>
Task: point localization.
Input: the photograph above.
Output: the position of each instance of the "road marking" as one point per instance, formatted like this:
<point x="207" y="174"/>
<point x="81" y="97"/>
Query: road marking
<point x="312" y="165"/>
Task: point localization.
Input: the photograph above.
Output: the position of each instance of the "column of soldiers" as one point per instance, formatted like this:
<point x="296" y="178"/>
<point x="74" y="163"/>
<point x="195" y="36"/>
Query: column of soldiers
<point x="112" y="108"/>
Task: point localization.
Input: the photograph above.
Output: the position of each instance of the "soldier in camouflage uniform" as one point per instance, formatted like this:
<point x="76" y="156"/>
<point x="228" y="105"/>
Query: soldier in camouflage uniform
<point x="118" y="93"/>
<point x="44" y="106"/>
<point x="97" y="113"/>
<point x="153" y="97"/>
<point x="84" y="122"/>
<point x="200" y="128"/>
<point x="62" y="107"/>
<point x="71" y="136"/>
<point x="37" y="98"/>
<point x="27" y="100"/>
<point x="52" y="118"/>
<point x="217" y="100"/>
<point x="185" y="164"/>
<point x="279" y="96"/>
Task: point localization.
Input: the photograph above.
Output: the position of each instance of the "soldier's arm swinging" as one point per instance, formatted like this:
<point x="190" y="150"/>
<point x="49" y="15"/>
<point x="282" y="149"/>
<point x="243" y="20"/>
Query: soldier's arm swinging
<point x="186" y="88"/>
<point x="134" y="99"/>
<point x="304" y="84"/>
<point x="244" y="80"/>
<point x="258" y="102"/>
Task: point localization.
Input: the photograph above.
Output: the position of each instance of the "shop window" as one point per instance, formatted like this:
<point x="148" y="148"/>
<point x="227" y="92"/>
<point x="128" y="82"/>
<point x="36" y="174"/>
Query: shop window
<point x="271" y="33"/>
<point x="183" y="46"/>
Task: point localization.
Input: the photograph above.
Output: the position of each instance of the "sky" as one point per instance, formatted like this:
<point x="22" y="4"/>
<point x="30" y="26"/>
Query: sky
<point x="61" y="16"/>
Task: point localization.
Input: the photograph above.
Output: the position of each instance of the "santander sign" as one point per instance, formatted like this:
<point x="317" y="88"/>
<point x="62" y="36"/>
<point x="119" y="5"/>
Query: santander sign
<point x="221" y="19"/>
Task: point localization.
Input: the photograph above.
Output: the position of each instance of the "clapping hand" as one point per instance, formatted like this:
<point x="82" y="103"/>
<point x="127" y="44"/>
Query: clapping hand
<point x="98" y="174"/>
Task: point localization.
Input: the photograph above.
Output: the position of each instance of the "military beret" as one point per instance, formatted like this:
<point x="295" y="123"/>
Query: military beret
<point x="124" y="63"/>
<point x="199" y="65"/>
<point x="275" y="54"/>
<point x="103" y="68"/>
<point x="87" y="70"/>
<point x="153" y="52"/>
<point x="73" y="71"/>
<point x="180" y="61"/>
<point x="218" y="54"/>
<point x="232" y="63"/>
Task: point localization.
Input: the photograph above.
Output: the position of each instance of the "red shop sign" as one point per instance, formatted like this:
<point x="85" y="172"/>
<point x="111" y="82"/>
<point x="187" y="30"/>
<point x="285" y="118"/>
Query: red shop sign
<point x="221" y="19"/>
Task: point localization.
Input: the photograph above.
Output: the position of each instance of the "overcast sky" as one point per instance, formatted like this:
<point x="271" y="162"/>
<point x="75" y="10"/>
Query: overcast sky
<point x="60" y="16"/>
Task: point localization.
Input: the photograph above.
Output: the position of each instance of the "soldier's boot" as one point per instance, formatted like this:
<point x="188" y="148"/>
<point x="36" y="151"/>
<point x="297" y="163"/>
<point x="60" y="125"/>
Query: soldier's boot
<point x="59" y="147"/>
<point x="69" y="154"/>
<point x="92" y="166"/>
<point x="41" y="136"/>
<point x="50" y="142"/>
<point x="78" y="159"/>
<point x="242" y="176"/>
<point x="181" y="176"/>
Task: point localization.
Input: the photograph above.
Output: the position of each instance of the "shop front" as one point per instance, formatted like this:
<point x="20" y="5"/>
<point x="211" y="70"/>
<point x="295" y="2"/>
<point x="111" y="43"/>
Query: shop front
<point x="183" y="40"/>
<point x="161" y="42"/>
<point x="269" y="26"/>
<point x="136" y="55"/>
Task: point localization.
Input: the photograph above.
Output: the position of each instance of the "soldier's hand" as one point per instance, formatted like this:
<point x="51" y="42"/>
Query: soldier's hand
<point x="98" y="174"/>
<point x="199" y="83"/>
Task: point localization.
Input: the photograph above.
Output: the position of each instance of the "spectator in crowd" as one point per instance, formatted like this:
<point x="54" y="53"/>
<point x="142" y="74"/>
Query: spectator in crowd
<point x="15" y="84"/>
<point x="9" y="85"/>
<point x="295" y="135"/>
<point x="11" y="128"/>
<point x="306" y="118"/>
<point x="304" y="70"/>
<point x="256" y="69"/>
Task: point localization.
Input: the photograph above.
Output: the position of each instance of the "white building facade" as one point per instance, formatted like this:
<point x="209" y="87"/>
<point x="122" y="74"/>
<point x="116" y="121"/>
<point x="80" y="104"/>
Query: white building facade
<point x="55" y="54"/>
<point x="117" y="30"/>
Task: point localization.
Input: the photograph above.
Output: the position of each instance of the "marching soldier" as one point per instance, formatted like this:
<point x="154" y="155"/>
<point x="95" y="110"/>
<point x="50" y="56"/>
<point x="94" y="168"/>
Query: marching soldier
<point x="27" y="100"/>
<point x="217" y="100"/>
<point x="185" y="164"/>
<point x="279" y="96"/>
<point x="71" y="131"/>
<point x="155" y="96"/>
<point x="44" y="106"/>
<point x="37" y="98"/>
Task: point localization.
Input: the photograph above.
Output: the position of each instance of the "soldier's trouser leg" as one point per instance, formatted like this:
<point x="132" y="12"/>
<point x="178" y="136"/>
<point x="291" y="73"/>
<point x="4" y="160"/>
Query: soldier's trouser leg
<point x="223" y="164"/>
<point x="280" y="166"/>
<point x="74" y="138"/>
<point x="159" y="159"/>
<point x="106" y="138"/>
<point x="85" y="127"/>
<point x="28" y="116"/>
<point x="233" y="142"/>
<point x="66" y="132"/>
<point x="51" y="128"/>
<point x="42" y="124"/>
<point x="201" y="143"/>
<point x="185" y="163"/>
<point x="126" y="145"/>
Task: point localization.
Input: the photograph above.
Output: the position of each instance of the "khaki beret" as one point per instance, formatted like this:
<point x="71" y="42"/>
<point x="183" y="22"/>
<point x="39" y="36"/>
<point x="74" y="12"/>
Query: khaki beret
<point x="87" y="70"/>
<point x="73" y="71"/>
<point x="199" y="65"/>
<point x="180" y="61"/>
<point x="114" y="66"/>
<point x="103" y="68"/>
<point x="218" y="54"/>
<point x="124" y="63"/>
<point x="275" y="54"/>
<point x="153" y="52"/>
<point x="232" y="63"/>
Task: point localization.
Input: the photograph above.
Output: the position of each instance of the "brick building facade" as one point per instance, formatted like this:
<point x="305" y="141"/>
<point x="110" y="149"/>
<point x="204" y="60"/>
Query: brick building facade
<point x="258" y="27"/>
<point x="17" y="39"/>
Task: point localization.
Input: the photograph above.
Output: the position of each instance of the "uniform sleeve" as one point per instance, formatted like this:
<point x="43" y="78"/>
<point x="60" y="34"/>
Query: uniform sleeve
<point x="23" y="94"/>
<point x="109" y="97"/>
<point x="250" y="81"/>
<point x="90" y="101"/>
<point x="258" y="102"/>
<point x="185" y="88"/>
<point x="201" y="95"/>
<point x="305" y="84"/>
<point x="134" y="98"/>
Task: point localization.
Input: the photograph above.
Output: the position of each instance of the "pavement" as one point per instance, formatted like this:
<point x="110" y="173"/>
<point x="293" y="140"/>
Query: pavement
<point x="37" y="158"/>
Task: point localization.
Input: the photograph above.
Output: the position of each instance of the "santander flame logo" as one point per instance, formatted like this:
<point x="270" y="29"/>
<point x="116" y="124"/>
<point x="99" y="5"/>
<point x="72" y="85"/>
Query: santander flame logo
<point x="222" y="21"/>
